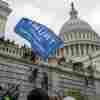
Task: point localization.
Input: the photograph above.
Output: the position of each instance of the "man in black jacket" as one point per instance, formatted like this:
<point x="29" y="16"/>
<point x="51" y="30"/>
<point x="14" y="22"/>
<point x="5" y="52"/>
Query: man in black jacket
<point x="38" y="94"/>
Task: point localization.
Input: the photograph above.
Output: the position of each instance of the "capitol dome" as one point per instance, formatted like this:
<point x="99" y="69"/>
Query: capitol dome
<point x="76" y="24"/>
<point x="79" y="37"/>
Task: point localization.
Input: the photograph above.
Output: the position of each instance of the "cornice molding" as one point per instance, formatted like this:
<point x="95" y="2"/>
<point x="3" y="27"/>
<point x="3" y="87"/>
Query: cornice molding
<point x="81" y="42"/>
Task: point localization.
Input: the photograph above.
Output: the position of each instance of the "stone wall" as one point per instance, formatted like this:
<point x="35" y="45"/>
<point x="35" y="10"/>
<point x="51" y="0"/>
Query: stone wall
<point x="62" y="79"/>
<point x="16" y="72"/>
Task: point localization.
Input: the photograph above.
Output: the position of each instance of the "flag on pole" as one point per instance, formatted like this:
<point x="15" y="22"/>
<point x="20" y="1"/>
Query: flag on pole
<point x="43" y="41"/>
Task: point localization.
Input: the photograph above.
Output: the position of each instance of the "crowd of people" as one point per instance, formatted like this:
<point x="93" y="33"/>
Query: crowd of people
<point x="12" y="91"/>
<point x="39" y="94"/>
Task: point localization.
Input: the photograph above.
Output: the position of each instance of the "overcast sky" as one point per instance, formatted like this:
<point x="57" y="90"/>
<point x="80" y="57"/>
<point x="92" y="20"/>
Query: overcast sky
<point x="52" y="13"/>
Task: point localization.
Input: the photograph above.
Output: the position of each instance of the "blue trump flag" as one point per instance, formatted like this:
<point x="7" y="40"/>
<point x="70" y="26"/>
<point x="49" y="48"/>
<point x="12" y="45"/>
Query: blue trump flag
<point x="43" y="40"/>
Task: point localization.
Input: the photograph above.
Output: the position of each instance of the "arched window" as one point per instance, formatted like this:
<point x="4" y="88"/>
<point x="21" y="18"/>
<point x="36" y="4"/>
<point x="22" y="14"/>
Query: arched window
<point x="79" y="35"/>
<point x="71" y="36"/>
<point x="7" y="49"/>
<point x="87" y="49"/>
<point x="82" y="50"/>
<point x="13" y="51"/>
<point x="77" y="50"/>
<point x="72" y="51"/>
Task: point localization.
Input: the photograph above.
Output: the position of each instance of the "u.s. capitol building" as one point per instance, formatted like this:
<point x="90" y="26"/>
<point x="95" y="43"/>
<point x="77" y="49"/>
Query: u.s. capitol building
<point x="69" y="67"/>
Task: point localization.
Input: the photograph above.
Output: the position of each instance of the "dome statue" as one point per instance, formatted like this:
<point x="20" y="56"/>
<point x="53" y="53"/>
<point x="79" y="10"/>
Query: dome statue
<point x="75" y="23"/>
<point x="79" y="37"/>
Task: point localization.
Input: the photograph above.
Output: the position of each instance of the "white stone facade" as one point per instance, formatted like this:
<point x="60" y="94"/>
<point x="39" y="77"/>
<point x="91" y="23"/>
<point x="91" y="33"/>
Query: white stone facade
<point x="4" y="13"/>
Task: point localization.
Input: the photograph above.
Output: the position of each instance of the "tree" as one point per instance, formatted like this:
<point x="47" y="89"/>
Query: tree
<point x="7" y="97"/>
<point x="12" y="93"/>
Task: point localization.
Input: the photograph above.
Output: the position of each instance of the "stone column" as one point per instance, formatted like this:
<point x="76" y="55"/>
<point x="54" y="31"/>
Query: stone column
<point x="90" y="48"/>
<point x="69" y="50"/>
<point x="66" y="51"/>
